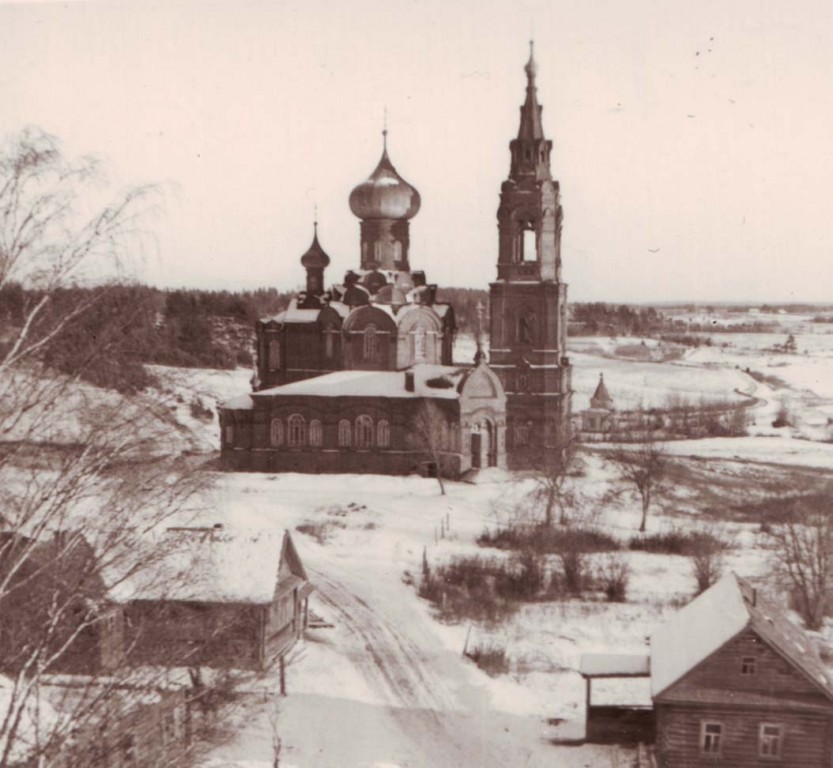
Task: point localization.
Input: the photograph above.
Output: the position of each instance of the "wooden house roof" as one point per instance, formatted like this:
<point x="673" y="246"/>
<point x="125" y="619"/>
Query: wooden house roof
<point x="720" y="614"/>
<point x="217" y="565"/>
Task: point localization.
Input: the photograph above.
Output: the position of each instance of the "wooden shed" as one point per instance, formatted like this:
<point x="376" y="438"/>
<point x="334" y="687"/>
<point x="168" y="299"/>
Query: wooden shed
<point x="735" y="683"/>
<point x="219" y="597"/>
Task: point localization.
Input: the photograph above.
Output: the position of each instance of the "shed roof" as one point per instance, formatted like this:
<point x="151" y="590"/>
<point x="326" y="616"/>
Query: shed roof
<point x="615" y="665"/>
<point x="719" y="614"/>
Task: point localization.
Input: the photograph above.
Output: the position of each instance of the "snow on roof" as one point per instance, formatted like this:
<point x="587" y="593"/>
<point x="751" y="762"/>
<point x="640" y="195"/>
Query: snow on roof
<point x="696" y="631"/>
<point x="220" y="565"/>
<point x="715" y="617"/>
<point x="239" y="403"/>
<point x="374" y="384"/>
<point x="614" y="664"/>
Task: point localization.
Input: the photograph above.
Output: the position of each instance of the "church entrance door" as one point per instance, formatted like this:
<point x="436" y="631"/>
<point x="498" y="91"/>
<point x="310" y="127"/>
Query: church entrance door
<point x="476" y="441"/>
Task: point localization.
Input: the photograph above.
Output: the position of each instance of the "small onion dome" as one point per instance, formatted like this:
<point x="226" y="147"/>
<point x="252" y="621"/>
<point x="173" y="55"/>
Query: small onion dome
<point x="385" y="195"/>
<point x="315" y="256"/>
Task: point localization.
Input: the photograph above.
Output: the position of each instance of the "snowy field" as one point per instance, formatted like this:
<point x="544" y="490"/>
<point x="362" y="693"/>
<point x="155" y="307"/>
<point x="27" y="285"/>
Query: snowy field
<point x="388" y="685"/>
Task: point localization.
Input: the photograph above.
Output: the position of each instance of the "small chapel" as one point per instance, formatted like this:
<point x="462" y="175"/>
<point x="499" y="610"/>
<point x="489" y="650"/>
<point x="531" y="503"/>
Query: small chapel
<point x="359" y="376"/>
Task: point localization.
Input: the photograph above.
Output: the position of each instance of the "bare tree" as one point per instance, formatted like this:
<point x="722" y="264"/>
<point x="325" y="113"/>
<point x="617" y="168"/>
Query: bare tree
<point x="430" y="433"/>
<point x="802" y="545"/>
<point x="552" y="473"/>
<point x="643" y="468"/>
<point x="707" y="558"/>
<point x="85" y="473"/>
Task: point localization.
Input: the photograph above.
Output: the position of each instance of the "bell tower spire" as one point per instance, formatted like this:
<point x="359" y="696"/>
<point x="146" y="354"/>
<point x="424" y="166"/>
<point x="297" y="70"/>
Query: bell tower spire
<point x="528" y="301"/>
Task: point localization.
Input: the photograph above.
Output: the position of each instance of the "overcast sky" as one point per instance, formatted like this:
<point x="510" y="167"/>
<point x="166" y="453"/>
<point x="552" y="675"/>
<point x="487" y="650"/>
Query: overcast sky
<point x="693" y="140"/>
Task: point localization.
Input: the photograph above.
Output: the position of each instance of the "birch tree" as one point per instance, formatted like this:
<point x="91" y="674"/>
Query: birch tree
<point x="84" y="473"/>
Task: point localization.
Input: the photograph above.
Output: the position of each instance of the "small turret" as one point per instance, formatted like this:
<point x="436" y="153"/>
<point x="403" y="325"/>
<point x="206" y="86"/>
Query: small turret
<point x="315" y="261"/>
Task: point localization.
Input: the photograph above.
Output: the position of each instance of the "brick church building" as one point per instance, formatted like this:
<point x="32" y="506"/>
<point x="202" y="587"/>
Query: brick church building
<point x="359" y="377"/>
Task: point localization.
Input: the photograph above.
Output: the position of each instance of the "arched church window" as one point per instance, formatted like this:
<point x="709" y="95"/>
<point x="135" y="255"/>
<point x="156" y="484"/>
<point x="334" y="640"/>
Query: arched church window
<point x="420" y="339"/>
<point x="276" y="433"/>
<point x="329" y="341"/>
<point x="316" y="434"/>
<point x="397" y="251"/>
<point x="274" y="354"/>
<point x="383" y="434"/>
<point x="229" y="434"/>
<point x="345" y="434"/>
<point x="523" y="382"/>
<point x="529" y="245"/>
<point x="364" y="432"/>
<point x="371" y="343"/>
<point x="377" y="252"/>
<point x="297" y="429"/>
<point x="526" y="330"/>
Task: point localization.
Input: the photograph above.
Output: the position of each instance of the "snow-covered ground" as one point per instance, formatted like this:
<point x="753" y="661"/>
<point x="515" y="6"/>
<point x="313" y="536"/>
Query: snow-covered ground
<point x="388" y="685"/>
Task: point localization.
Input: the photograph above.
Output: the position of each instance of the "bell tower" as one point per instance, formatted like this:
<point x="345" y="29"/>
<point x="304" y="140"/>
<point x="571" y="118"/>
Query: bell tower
<point x="528" y="301"/>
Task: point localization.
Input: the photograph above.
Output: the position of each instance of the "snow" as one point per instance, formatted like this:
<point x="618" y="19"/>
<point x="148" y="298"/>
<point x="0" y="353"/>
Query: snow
<point x="600" y="664"/>
<point x="775" y="450"/>
<point x="373" y="384"/>
<point x="696" y="631"/>
<point x="37" y="720"/>
<point x="208" y="565"/>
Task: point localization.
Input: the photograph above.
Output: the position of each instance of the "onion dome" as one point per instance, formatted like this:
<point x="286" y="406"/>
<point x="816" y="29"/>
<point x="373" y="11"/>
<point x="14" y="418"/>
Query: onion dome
<point x="315" y="256"/>
<point x="385" y="195"/>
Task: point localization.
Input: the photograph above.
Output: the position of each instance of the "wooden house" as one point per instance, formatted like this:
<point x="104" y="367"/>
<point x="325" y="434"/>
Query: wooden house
<point x="55" y="596"/>
<point x="735" y="683"/>
<point x="217" y="597"/>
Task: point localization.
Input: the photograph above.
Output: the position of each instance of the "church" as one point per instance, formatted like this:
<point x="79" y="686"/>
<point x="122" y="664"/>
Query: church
<point x="359" y="377"/>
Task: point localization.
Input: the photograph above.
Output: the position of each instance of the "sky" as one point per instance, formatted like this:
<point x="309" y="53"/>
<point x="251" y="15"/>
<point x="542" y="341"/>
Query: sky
<point x="693" y="140"/>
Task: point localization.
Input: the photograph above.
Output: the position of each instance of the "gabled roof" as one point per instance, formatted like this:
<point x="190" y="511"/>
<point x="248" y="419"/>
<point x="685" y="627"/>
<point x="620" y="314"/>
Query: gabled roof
<point x="714" y="618"/>
<point x="215" y="565"/>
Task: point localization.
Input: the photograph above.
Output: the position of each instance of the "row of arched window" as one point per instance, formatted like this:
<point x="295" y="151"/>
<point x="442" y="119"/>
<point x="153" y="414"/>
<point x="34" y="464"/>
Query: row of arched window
<point x="361" y="434"/>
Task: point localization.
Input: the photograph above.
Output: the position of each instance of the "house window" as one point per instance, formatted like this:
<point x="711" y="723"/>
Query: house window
<point x="276" y="433"/>
<point x="274" y="354"/>
<point x="419" y="344"/>
<point x="344" y="434"/>
<point x="230" y="434"/>
<point x="383" y="434"/>
<point x="316" y="439"/>
<point x="770" y="740"/>
<point x="297" y="429"/>
<point x="711" y="738"/>
<point x="364" y="432"/>
<point x="371" y="343"/>
<point x="748" y="665"/>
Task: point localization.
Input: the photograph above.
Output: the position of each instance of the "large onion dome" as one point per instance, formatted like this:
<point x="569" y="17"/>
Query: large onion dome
<point x="385" y="195"/>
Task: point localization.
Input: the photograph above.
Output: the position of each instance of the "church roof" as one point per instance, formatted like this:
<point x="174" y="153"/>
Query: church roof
<point x="531" y="126"/>
<point x="389" y="384"/>
<point x="315" y="255"/>
<point x="601" y="397"/>
<point x="384" y="194"/>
